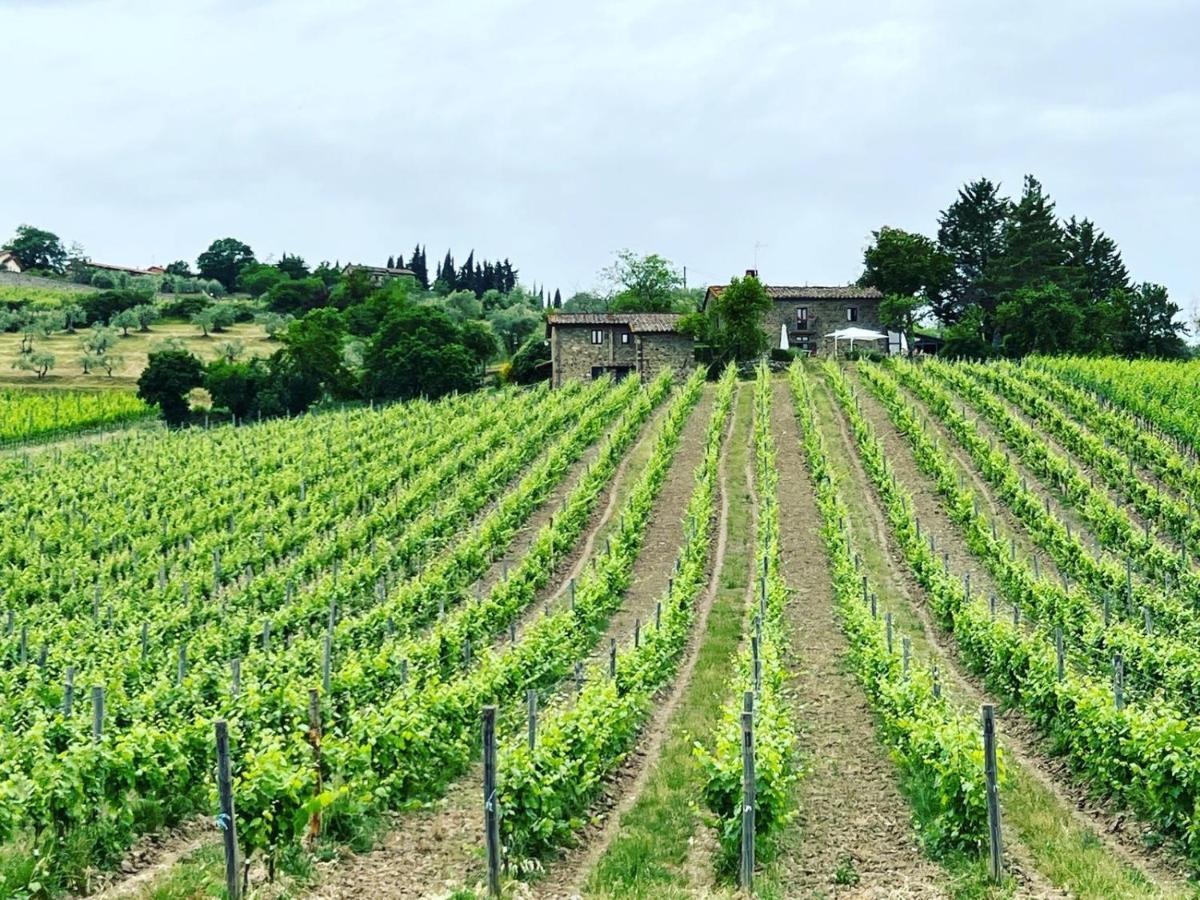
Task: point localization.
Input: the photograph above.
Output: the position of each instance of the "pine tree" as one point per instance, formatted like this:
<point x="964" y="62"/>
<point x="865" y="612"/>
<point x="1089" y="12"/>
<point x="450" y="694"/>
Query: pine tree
<point x="970" y="230"/>
<point x="1034" y="245"/>
<point x="1094" y="259"/>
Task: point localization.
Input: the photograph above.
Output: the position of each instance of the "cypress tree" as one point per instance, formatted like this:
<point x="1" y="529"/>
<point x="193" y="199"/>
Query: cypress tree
<point x="557" y="299"/>
<point x="391" y="264"/>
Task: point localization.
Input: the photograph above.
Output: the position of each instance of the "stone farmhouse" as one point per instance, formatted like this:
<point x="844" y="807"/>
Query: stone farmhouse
<point x="377" y="275"/>
<point x="589" y="345"/>
<point x="9" y="262"/>
<point x="810" y="312"/>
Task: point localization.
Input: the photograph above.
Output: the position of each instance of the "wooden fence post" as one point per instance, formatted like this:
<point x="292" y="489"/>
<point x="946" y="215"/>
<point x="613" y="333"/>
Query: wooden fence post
<point x="227" y="820"/>
<point x="491" y="812"/>
<point x="97" y="713"/>
<point x="748" y="800"/>
<point x="69" y="692"/>
<point x="531" y="702"/>
<point x="612" y="657"/>
<point x="996" y="856"/>
<point x="1058" y="652"/>
<point x="1119" y="681"/>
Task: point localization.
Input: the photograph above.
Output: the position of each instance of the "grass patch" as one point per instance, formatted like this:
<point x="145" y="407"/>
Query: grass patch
<point x="648" y="858"/>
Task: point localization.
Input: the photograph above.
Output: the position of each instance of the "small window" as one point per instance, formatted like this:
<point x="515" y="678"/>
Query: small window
<point x="597" y="336"/>
<point x="625" y="337"/>
<point x="851" y="313"/>
<point x="802" y="314"/>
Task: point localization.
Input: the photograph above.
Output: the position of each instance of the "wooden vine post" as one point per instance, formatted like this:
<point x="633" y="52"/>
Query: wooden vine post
<point x="314" y="738"/>
<point x="996" y="854"/>
<point x="227" y="820"/>
<point x="491" y="812"/>
<point x="748" y="794"/>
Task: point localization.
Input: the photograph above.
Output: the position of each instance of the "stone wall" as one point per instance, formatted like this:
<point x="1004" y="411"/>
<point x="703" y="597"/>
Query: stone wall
<point x="824" y="316"/>
<point x="573" y="355"/>
<point x="661" y="350"/>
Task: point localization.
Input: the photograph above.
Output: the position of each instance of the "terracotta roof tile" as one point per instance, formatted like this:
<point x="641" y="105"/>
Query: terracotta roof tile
<point x="637" y="322"/>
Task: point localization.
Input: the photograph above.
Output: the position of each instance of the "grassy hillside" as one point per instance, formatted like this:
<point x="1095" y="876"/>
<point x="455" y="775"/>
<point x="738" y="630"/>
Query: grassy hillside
<point x="134" y="351"/>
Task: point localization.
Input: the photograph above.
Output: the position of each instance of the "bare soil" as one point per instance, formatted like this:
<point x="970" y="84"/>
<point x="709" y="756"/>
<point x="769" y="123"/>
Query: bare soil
<point x="565" y="878"/>
<point x="852" y="813"/>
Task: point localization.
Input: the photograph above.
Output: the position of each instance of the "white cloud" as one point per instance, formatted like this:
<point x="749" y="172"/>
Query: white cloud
<point x="556" y="133"/>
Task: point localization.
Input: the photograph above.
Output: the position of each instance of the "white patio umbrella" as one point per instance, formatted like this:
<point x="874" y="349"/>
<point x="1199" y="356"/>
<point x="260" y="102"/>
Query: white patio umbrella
<point x="783" y="338"/>
<point x="854" y="334"/>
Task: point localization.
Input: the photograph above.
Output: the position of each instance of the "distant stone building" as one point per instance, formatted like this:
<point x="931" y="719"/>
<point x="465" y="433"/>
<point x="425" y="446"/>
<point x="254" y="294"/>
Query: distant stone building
<point x="589" y="345"/>
<point x="378" y="275"/>
<point x="9" y="262"/>
<point x="810" y="312"/>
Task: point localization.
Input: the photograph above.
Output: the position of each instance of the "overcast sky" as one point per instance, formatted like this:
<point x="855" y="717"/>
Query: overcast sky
<point x="556" y="134"/>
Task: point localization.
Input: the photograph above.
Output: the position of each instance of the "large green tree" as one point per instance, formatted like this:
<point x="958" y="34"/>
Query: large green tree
<point x="315" y="345"/>
<point x="224" y="260"/>
<point x="168" y="377"/>
<point x="970" y="231"/>
<point x="36" y="248"/>
<point x="1094" y="259"/>
<point x="418" y="351"/>
<point x="1148" y="323"/>
<point x="732" y="323"/>
<point x="642" y="283"/>
<point x="912" y="273"/>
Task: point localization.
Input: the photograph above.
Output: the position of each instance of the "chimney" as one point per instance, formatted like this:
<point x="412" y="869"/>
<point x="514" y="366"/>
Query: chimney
<point x="752" y="273"/>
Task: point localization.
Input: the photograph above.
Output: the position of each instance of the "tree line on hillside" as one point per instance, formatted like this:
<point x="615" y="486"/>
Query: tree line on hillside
<point x="1011" y="277"/>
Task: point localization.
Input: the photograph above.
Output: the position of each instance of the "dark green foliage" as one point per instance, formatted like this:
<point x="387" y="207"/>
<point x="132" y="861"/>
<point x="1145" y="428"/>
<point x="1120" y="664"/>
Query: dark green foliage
<point x="166" y="381"/>
<point x="298" y="297"/>
<point x="643" y="283"/>
<point x="731" y="326"/>
<point x="236" y="386"/>
<point x="293" y="266"/>
<point x="418" y="351"/>
<point x="1148" y="323"/>
<point x="531" y="363"/>
<point x="224" y="260"/>
<point x="257" y="278"/>
<point x="36" y="248"/>
<point x="314" y="348"/>
<point x="181" y="268"/>
<point x="480" y="340"/>
<point x="1095" y="259"/>
<point x="184" y="306"/>
<point x="104" y="305"/>
<point x="911" y="271"/>
<point x="969" y="230"/>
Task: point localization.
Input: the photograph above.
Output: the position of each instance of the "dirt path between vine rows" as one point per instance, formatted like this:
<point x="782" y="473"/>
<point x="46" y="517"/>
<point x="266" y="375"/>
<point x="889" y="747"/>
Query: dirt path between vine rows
<point x="852" y="814"/>
<point x="436" y="851"/>
<point x="1121" y="835"/>
<point x="565" y="878"/>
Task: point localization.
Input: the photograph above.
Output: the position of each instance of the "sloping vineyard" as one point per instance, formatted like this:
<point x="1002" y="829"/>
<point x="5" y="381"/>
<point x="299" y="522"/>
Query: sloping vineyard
<point x="38" y="415"/>
<point x="541" y="593"/>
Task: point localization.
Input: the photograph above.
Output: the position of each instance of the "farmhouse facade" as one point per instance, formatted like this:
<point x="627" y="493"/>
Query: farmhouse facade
<point x="378" y="275"/>
<point x="590" y="345"/>
<point x="810" y="312"/>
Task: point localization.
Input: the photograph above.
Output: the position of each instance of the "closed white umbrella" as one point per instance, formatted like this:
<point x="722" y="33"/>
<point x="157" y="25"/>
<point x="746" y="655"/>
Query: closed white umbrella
<point x="783" y="338"/>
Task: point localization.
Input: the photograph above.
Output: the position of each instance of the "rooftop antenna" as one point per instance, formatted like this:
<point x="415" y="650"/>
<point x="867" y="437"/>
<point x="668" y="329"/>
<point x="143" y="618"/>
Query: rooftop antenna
<point x="757" y="246"/>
